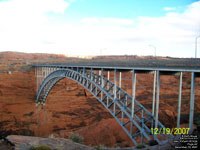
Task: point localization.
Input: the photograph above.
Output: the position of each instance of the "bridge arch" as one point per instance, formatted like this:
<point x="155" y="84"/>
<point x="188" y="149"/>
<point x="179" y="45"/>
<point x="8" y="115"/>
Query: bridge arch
<point x="118" y="105"/>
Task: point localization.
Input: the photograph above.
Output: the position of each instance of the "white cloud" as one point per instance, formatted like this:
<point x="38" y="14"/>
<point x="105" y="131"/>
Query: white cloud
<point x="33" y="6"/>
<point x="108" y="21"/>
<point x="172" y="34"/>
<point x="169" y="8"/>
<point x="22" y="22"/>
<point x="26" y="27"/>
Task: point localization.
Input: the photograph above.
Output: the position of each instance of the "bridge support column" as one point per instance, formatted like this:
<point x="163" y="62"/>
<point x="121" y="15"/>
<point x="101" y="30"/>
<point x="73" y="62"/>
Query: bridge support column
<point x="133" y="98"/>
<point x="108" y="77"/>
<point x="87" y="75"/>
<point x="157" y="98"/>
<point x="179" y="99"/>
<point x="115" y="88"/>
<point x="45" y="74"/>
<point x="120" y="81"/>
<point x="133" y="91"/>
<point x="95" y="80"/>
<point x="192" y="100"/>
<point x="154" y="97"/>
<point x="84" y="71"/>
<point x="46" y="70"/>
<point x="115" y="82"/>
<point x="91" y="78"/>
<point x="102" y="82"/>
<point x="42" y="73"/>
<point x="38" y="77"/>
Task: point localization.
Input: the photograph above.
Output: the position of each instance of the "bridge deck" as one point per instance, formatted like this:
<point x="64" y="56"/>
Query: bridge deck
<point x="183" y="65"/>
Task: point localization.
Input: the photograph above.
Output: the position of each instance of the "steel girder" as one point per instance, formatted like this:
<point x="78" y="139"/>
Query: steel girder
<point x="120" y="107"/>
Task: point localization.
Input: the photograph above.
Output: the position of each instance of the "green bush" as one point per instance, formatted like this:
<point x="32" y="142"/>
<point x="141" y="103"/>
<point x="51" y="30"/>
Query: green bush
<point x="76" y="138"/>
<point x="40" y="147"/>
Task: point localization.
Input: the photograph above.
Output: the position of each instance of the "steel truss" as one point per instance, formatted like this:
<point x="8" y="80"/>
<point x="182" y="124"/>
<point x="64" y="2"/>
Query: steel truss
<point x="134" y="119"/>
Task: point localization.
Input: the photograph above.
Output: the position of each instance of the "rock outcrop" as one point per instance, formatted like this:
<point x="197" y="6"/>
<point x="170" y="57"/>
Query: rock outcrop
<point x="26" y="142"/>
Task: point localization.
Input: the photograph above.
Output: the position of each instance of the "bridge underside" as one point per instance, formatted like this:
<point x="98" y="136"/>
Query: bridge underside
<point x="134" y="119"/>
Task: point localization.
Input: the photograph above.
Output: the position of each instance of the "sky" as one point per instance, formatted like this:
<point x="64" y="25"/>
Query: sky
<point x="101" y="27"/>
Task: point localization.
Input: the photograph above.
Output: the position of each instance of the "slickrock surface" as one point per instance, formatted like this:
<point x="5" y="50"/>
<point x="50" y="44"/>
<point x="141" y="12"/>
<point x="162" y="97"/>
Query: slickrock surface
<point x="25" y="143"/>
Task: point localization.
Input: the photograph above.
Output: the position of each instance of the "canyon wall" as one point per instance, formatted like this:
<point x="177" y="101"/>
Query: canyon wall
<point x="71" y="109"/>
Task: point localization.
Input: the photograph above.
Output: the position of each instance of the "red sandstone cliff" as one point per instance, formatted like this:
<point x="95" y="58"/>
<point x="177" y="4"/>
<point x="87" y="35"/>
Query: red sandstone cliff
<point x="71" y="109"/>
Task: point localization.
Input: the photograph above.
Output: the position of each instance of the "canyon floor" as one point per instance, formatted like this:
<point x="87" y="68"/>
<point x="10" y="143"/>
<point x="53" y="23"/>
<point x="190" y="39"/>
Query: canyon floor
<point x="70" y="109"/>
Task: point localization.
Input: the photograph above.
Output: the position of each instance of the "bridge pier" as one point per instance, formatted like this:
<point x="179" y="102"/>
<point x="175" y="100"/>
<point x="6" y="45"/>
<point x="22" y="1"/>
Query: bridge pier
<point x="120" y="82"/>
<point x="192" y="100"/>
<point x="91" y="77"/>
<point x="154" y="96"/>
<point x="102" y="82"/>
<point x="179" y="99"/>
<point x="157" y="99"/>
<point x="133" y="91"/>
<point x="108" y="77"/>
<point x="115" y="88"/>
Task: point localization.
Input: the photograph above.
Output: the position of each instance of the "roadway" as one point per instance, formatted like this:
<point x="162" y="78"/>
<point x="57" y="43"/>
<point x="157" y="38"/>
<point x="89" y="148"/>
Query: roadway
<point x="184" y="65"/>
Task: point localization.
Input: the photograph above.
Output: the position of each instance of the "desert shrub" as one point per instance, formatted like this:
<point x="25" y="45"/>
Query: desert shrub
<point x="25" y="68"/>
<point x="100" y="147"/>
<point x="51" y="136"/>
<point x="140" y="146"/>
<point x="76" y="138"/>
<point x="40" y="147"/>
<point x="97" y="148"/>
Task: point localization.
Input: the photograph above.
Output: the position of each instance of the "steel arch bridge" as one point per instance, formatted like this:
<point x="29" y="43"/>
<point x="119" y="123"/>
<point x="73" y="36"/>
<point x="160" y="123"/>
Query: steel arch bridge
<point x="134" y="119"/>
